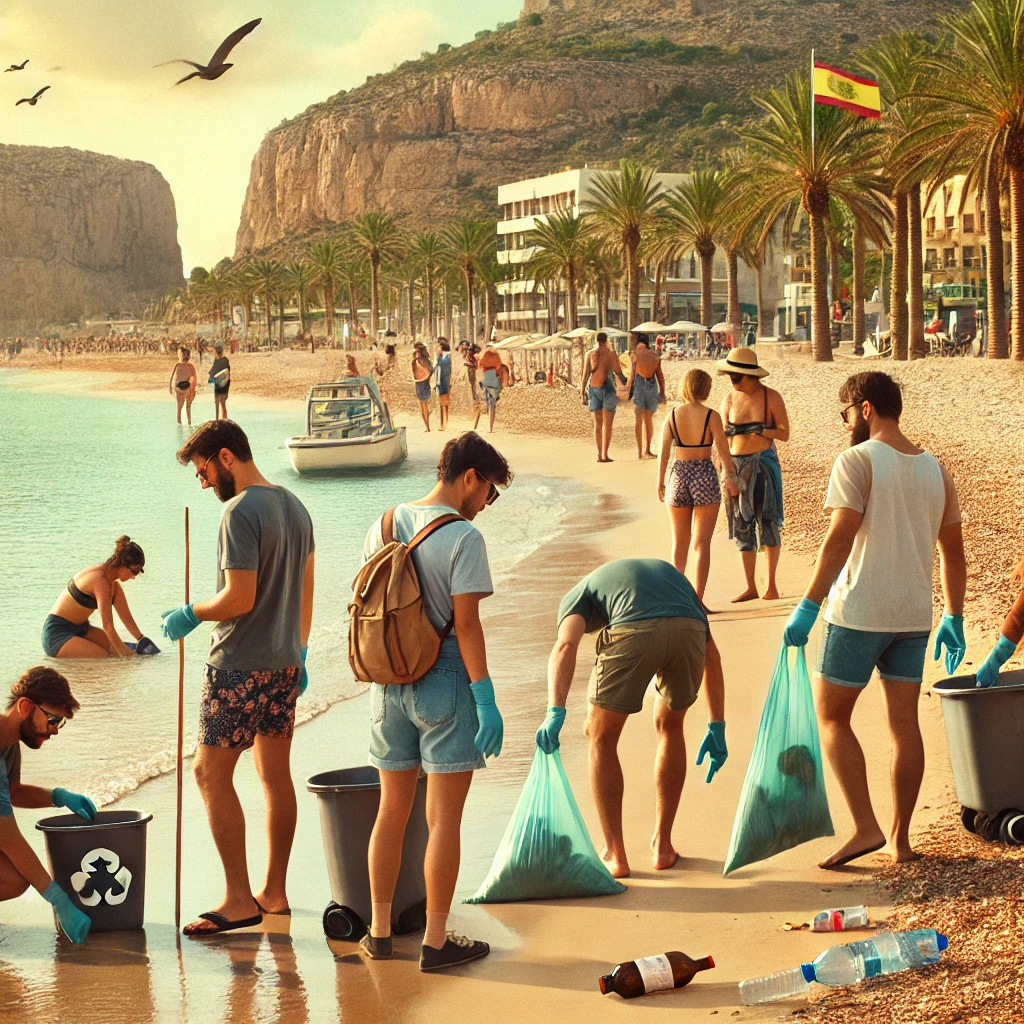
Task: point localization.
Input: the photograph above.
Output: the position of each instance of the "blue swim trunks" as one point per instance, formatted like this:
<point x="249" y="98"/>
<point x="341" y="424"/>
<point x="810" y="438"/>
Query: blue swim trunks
<point x="646" y="393"/>
<point x="58" y="631"/>
<point x="603" y="397"/>
<point x="849" y="656"/>
<point x="423" y="390"/>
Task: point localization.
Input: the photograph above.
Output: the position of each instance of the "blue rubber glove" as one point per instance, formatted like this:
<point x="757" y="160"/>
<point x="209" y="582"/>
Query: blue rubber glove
<point x="303" y="676"/>
<point x="81" y="805"/>
<point x="492" y="729"/>
<point x="997" y="658"/>
<point x="73" y="922"/>
<point x="714" y="744"/>
<point x="951" y="633"/>
<point x="547" y="734"/>
<point x="800" y="623"/>
<point x="179" y="622"/>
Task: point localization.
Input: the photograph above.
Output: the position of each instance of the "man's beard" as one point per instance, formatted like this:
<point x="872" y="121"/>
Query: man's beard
<point x="861" y="432"/>
<point x="224" y="484"/>
<point x="32" y="739"/>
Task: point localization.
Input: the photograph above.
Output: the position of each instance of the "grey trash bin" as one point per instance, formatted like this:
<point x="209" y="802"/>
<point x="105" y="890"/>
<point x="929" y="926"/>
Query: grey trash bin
<point x="349" y="799"/>
<point x="101" y="865"/>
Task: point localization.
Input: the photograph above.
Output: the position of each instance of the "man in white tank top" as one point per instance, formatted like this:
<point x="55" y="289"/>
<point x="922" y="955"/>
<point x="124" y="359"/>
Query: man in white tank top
<point x="890" y="504"/>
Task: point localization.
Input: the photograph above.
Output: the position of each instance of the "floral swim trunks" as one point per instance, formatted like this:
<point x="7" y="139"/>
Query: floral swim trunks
<point x="236" y="706"/>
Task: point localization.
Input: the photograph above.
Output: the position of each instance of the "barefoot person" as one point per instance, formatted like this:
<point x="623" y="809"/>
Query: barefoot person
<point x="755" y="418"/>
<point x="651" y="624"/>
<point x="647" y="386"/>
<point x="422" y="371"/>
<point x="446" y="722"/>
<point x="39" y="704"/>
<point x="67" y="631"/>
<point x="183" y="384"/>
<point x="220" y="378"/>
<point x="875" y="568"/>
<point x="443" y="380"/>
<point x="600" y="368"/>
<point x="491" y="383"/>
<point x="255" y="670"/>
<point x="692" y="495"/>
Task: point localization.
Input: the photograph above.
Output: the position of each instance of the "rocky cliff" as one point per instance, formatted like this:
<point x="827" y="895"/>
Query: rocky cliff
<point x="80" y="234"/>
<point x="572" y="82"/>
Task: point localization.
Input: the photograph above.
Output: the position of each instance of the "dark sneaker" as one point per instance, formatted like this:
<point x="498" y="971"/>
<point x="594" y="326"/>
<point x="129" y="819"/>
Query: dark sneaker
<point x="376" y="949"/>
<point x="457" y="949"/>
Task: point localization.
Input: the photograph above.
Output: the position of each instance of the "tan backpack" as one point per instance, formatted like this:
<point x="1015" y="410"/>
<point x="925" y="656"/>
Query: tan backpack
<point x="390" y="638"/>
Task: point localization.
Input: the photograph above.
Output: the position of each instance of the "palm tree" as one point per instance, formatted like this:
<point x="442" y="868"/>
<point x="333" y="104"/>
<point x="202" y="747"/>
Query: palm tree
<point x="561" y="244"/>
<point x="301" y="278"/>
<point x="601" y="269"/>
<point x="428" y="251"/>
<point x="268" y="277"/>
<point x="351" y="277"/>
<point x="782" y="177"/>
<point x="624" y="204"/>
<point x="378" y="239"/>
<point x="466" y="244"/>
<point x="325" y="259"/>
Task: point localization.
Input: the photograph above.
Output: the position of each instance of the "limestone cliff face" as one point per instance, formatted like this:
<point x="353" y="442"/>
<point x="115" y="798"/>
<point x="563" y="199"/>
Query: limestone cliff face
<point x="80" y="234"/>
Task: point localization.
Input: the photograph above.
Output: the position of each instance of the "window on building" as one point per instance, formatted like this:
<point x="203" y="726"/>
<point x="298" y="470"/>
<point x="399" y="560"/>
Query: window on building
<point x="693" y="266"/>
<point x="930" y="226"/>
<point x="518" y="212"/>
<point x="984" y="256"/>
<point x="968" y="220"/>
<point x="968" y="254"/>
<point x="572" y="198"/>
<point x="931" y="259"/>
<point x="949" y="223"/>
<point x="545" y="204"/>
<point x="949" y="257"/>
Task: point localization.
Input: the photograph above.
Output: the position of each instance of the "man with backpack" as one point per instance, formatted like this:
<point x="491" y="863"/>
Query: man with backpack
<point x="436" y="708"/>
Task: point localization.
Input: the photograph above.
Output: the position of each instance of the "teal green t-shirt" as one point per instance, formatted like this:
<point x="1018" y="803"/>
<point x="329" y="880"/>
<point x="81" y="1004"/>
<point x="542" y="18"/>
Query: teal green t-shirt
<point x="629" y="590"/>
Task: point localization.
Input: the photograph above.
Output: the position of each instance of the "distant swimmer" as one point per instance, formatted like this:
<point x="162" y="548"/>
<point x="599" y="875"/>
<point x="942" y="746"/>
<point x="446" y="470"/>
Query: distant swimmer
<point x="216" y="67"/>
<point x="183" y="383"/>
<point x="67" y="631"/>
<point x="32" y="100"/>
<point x="17" y="67"/>
<point x="220" y="378"/>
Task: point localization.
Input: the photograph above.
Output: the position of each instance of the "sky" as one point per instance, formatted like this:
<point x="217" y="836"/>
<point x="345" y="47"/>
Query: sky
<point x="105" y="95"/>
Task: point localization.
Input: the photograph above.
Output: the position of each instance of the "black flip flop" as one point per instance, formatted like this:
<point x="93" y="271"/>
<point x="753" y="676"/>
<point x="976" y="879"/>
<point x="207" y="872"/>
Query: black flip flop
<point x="287" y="912"/>
<point x="223" y="924"/>
<point x="852" y="856"/>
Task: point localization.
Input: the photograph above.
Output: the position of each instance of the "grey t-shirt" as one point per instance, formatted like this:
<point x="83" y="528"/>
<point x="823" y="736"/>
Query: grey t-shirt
<point x="452" y="560"/>
<point x="267" y="529"/>
<point x="10" y="771"/>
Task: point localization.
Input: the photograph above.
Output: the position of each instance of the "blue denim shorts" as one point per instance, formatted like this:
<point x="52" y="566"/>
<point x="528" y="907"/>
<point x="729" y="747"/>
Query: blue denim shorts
<point x="849" y="656"/>
<point x="602" y="398"/>
<point x="645" y="393"/>
<point x="430" y="723"/>
<point x="423" y="390"/>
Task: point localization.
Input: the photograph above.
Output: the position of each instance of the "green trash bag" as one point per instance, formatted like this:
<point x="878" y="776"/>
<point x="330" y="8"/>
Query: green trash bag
<point x="783" y="802"/>
<point x="546" y="852"/>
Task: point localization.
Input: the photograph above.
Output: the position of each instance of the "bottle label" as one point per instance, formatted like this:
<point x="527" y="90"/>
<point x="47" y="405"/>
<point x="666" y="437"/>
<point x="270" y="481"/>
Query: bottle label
<point x="656" y="972"/>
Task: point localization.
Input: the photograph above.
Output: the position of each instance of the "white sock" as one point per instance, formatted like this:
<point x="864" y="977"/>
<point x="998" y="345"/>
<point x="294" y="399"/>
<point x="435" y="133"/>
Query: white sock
<point x="380" y="923"/>
<point x="435" y="934"/>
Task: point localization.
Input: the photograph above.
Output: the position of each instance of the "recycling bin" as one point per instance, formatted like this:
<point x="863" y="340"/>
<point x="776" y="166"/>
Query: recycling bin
<point x="349" y="799"/>
<point x="101" y="865"/>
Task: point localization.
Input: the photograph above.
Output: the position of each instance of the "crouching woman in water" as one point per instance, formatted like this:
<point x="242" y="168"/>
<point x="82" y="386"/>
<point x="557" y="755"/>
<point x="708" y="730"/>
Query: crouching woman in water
<point x="67" y="631"/>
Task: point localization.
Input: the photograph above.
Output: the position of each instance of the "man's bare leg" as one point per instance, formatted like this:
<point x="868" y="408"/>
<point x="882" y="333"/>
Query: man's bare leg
<point x="599" y="434"/>
<point x="609" y="419"/>
<point x="273" y="765"/>
<point x="397" y="793"/>
<point x="446" y="797"/>
<point x="749" y="564"/>
<point x="603" y="730"/>
<point x="648" y="424"/>
<point x="443" y="402"/>
<point x="772" y="554"/>
<point x="669" y="776"/>
<point x="907" y="770"/>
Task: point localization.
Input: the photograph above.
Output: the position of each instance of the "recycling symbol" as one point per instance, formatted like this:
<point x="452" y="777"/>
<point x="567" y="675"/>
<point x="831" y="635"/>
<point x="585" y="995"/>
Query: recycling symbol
<point x="103" y="877"/>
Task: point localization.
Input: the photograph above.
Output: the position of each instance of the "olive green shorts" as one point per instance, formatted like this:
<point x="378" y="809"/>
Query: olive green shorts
<point x="631" y="654"/>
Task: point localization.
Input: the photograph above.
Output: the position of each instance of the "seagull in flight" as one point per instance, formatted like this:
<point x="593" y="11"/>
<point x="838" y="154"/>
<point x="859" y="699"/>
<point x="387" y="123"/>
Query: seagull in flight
<point x="17" y="67"/>
<point x="216" y="67"/>
<point x="33" y="100"/>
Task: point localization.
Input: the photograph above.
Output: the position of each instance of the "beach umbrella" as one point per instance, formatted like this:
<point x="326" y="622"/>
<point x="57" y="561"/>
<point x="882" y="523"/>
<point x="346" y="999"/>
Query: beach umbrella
<point x="725" y="328"/>
<point x="684" y="327"/>
<point x="507" y="343"/>
<point x="648" y="327"/>
<point x="579" y="332"/>
<point x="614" y="332"/>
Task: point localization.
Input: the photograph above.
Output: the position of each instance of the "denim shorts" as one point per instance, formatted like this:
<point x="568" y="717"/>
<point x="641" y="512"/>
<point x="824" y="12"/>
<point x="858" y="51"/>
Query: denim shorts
<point x="430" y="723"/>
<point x="602" y="398"/>
<point x="423" y="390"/>
<point x="646" y="393"/>
<point x="848" y="656"/>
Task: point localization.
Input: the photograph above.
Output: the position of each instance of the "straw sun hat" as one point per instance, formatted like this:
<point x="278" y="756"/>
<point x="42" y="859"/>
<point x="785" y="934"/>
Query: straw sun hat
<point x="741" y="360"/>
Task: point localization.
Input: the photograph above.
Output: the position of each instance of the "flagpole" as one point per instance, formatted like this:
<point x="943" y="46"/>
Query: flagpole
<point x="812" y="108"/>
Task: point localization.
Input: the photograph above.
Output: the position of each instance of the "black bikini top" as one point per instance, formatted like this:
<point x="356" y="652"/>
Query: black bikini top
<point x="732" y="429"/>
<point x="675" y="433"/>
<point x="79" y="596"/>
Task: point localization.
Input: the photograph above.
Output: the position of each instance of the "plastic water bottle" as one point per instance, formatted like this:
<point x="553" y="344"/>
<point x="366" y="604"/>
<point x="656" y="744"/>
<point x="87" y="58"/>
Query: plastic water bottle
<point x="886" y="953"/>
<point x="840" y="920"/>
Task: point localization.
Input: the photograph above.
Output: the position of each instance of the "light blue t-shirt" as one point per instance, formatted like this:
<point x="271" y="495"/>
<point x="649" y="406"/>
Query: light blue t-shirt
<point x="452" y="560"/>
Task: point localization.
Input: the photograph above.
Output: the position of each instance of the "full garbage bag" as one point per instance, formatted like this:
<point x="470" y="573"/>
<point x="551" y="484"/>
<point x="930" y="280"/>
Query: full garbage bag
<point x="783" y="801"/>
<point x="546" y="852"/>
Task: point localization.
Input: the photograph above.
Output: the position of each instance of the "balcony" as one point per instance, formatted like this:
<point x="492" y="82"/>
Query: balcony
<point x="933" y="264"/>
<point x="973" y="263"/>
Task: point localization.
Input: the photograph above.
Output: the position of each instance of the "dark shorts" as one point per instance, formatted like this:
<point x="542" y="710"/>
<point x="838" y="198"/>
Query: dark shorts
<point x="423" y="390"/>
<point x="849" y="656"/>
<point x="237" y="706"/>
<point x="443" y="387"/>
<point x="602" y="398"/>
<point x="765" y="525"/>
<point x="222" y="392"/>
<point x="693" y="482"/>
<point x="58" y="631"/>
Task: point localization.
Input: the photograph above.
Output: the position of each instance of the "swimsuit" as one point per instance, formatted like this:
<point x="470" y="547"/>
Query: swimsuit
<point x="80" y="596"/>
<point x="733" y="429"/>
<point x="755" y="516"/>
<point x="182" y="385"/>
<point x="57" y="631"/>
<point x="694" y="481"/>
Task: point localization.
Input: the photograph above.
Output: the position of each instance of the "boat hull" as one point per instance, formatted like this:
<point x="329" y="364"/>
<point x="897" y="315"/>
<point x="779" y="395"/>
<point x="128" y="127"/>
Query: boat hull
<point x="325" y="455"/>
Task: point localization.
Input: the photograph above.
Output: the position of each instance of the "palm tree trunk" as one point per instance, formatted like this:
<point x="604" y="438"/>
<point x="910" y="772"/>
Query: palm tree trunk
<point x="280" y="321"/>
<point x="488" y="312"/>
<point x="898" y="295"/>
<point x="374" y="300"/>
<point x="858" y="289"/>
<point x="996" y="327"/>
<point x="835" y="278"/>
<point x="632" y="288"/>
<point x="412" y="308"/>
<point x="759" y="296"/>
<point x="915" y="273"/>
<point x="467" y="273"/>
<point x="329" y="308"/>
<point x="1017" y="259"/>
<point x="707" y="309"/>
<point x="266" y="303"/>
<point x="821" y="338"/>
<point x="428" y="301"/>
<point x="732" y="287"/>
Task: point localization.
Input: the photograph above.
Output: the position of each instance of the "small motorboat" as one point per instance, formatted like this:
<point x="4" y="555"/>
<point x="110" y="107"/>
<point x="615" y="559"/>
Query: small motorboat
<point x="348" y="426"/>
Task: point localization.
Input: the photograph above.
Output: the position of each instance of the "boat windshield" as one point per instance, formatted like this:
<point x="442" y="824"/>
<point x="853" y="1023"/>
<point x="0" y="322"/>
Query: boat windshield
<point x="344" y="412"/>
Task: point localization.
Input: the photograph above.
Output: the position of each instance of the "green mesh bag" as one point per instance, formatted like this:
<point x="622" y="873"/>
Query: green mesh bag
<point x="546" y="852"/>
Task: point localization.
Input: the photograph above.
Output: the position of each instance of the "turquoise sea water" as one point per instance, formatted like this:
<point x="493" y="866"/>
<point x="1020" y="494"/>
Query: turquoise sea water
<point x="81" y="466"/>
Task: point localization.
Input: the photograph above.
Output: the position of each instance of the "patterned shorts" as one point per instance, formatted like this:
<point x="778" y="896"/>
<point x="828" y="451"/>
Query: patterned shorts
<point x="236" y="706"/>
<point x="693" y="482"/>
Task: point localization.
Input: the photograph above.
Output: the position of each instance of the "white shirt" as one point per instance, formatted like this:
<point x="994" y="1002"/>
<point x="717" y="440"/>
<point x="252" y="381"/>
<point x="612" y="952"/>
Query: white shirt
<point x="886" y="584"/>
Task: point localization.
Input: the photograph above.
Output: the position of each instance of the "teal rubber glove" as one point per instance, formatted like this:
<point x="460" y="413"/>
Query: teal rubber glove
<point x="73" y="922"/>
<point x="800" y="623"/>
<point x="81" y="805"/>
<point x="997" y="658"/>
<point x="491" y="729"/>
<point x="547" y="734"/>
<point x="714" y="744"/>
<point x="179" y="622"/>
<point x="303" y="676"/>
<point x="951" y="633"/>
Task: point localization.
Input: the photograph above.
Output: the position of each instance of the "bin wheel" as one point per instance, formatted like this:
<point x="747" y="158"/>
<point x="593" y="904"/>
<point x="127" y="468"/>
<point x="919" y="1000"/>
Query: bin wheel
<point x="986" y="826"/>
<point x="967" y="816"/>
<point x="1011" y="830"/>
<point x="343" y="923"/>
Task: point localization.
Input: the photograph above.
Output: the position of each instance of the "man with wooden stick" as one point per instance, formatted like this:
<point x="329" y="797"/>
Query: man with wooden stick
<point x="256" y="668"/>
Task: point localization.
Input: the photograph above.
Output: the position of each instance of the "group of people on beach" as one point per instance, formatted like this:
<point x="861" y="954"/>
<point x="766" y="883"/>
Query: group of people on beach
<point x="184" y="382"/>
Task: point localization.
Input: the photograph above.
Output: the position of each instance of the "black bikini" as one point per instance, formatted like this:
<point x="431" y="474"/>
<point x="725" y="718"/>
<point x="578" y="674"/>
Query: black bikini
<point x="79" y="596"/>
<point x="704" y="433"/>
<point x="732" y="429"/>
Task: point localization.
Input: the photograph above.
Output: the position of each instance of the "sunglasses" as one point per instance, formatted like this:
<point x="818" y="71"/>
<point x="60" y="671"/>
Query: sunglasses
<point x="201" y="473"/>
<point x="53" y="721"/>
<point x="736" y="377"/>
<point x="493" y="494"/>
<point x="842" y="415"/>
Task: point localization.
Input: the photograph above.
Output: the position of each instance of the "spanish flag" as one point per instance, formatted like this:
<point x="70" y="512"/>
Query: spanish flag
<point x="838" y="88"/>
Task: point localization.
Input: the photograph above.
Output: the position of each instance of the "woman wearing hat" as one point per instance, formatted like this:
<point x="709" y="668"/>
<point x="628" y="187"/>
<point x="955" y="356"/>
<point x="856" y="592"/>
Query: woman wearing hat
<point x="755" y="418"/>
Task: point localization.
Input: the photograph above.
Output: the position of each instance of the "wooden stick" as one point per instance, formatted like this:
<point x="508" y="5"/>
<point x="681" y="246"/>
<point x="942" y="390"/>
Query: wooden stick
<point x="181" y="744"/>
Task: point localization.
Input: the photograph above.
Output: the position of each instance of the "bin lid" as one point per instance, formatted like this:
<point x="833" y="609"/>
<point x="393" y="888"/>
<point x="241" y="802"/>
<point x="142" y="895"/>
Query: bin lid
<point x="104" y="820"/>
<point x="344" y="780"/>
<point x="963" y="686"/>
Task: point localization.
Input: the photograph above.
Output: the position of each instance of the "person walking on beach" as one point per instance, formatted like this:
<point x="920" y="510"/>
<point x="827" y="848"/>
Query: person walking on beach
<point x="220" y="378"/>
<point x="40" y="703"/>
<point x="692" y="494"/>
<point x="447" y="721"/>
<point x="183" y="384"/>
<point x="755" y="418"/>
<point x="470" y="361"/>
<point x="600" y="368"/>
<point x="1009" y="636"/>
<point x="647" y="386"/>
<point x="651" y="623"/>
<point x="422" y="371"/>
<point x="875" y="568"/>
<point x="443" y="380"/>
<point x="67" y="631"/>
<point x="256" y="668"/>
<point x="491" y="384"/>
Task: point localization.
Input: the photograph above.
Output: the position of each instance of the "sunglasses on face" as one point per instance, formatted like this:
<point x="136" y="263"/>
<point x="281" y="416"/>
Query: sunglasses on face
<point x="493" y="494"/>
<point x="736" y="377"/>
<point x="52" y="721"/>
<point x="843" y="414"/>
<point x="201" y="473"/>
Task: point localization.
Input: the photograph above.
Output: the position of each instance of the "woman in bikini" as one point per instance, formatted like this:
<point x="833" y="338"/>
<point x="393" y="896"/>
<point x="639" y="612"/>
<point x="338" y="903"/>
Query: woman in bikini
<point x="692" y="492"/>
<point x="422" y="371"/>
<point x="183" y="383"/>
<point x="67" y="631"/>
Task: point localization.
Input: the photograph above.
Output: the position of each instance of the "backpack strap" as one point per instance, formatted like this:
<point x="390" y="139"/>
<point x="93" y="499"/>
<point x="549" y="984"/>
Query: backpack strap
<point x="431" y="527"/>
<point x="387" y="526"/>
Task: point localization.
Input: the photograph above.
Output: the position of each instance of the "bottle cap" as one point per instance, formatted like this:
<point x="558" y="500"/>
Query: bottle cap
<point x="808" y="970"/>
<point x="711" y="962"/>
<point x="604" y="984"/>
<point x="942" y="940"/>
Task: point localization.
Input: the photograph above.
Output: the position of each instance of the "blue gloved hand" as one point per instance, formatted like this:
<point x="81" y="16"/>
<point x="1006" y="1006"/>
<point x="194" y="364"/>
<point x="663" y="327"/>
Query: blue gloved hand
<point x="547" y="734"/>
<point x="73" y="922"/>
<point x="997" y="658"/>
<point x="492" y="729"/>
<point x="303" y="676"/>
<point x="714" y="744"/>
<point x="951" y="633"/>
<point x="800" y="623"/>
<point x="179" y="622"/>
<point x="81" y="805"/>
